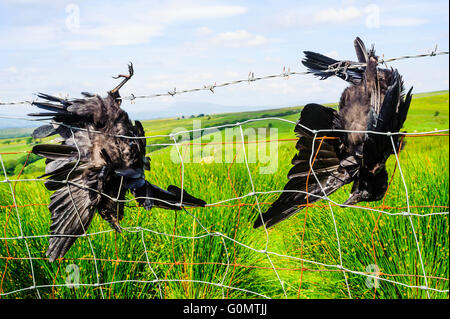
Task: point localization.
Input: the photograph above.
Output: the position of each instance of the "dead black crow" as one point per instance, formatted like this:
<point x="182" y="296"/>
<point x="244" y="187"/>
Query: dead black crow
<point x="374" y="101"/>
<point x="100" y="158"/>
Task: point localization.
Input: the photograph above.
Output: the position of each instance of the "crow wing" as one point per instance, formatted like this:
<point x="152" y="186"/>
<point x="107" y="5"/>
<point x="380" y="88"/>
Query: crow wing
<point x="72" y="212"/>
<point x="72" y="168"/>
<point x="392" y="115"/>
<point x="309" y="184"/>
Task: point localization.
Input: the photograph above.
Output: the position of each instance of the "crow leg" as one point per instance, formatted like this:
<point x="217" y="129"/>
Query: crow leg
<point x="125" y="80"/>
<point x="101" y="181"/>
<point x="109" y="209"/>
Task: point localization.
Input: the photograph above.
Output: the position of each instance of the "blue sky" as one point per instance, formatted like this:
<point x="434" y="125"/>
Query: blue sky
<point x="65" y="47"/>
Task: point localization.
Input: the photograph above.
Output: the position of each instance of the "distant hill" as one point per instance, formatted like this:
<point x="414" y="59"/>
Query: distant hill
<point x="15" y="132"/>
<point x="10" y="128"/>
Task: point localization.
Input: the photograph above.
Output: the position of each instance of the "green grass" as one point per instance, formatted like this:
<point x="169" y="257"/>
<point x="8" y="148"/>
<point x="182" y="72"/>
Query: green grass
<point x="365" y="237"/>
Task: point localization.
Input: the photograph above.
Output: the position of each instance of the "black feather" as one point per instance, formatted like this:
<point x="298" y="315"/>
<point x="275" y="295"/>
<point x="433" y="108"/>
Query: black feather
<point x="302" y="178"/>
<point x="320" y="65"/>
<point x="54" y="151"/>
<point x="129" y="172"/>
<point x="71" y="216"/>
<point x="188" y="199"/>
<point x="51" y="107"/>
<point x="361" y="51"/>
<point x="53" y="98"/>
<point x="44" y="131"/>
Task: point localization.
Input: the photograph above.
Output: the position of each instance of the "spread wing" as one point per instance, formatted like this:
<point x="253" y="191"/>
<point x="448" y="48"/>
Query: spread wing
<point x="72" y="212"/>
<point x="72" y="168"/>
<point x="304" y="185"/>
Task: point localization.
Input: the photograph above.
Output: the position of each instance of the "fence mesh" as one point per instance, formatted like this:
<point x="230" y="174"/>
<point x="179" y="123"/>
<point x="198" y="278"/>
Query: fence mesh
<point x="224" y="262"/>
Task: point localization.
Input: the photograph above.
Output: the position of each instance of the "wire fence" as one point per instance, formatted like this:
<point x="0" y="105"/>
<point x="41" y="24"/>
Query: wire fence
<point x="226" y="240"/>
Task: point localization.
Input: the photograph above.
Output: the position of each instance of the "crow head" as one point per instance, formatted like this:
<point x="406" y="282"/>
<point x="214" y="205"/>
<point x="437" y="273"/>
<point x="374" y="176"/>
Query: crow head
<point x="372" y="57"/>
<point x="369" y="187"/>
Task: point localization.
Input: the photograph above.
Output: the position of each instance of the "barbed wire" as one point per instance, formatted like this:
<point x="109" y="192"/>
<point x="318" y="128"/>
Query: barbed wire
<point x="251" y="78"/>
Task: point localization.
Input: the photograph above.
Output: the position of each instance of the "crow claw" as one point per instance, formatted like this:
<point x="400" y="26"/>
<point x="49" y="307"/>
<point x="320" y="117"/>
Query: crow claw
<point x="126" y="78"/>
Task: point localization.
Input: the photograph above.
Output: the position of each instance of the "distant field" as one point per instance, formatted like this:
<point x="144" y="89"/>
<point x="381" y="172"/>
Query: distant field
<point x="366" y="238"/>
<point x="9" y="133"/>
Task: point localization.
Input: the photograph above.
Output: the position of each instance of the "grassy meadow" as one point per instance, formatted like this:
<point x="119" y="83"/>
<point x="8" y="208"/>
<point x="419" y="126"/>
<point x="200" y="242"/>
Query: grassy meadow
<point x="169" y="254"/>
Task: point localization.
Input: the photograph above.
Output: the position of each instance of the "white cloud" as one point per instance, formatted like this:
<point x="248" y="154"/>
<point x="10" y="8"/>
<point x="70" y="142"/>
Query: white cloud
<point x="148" y="24"/>
<point x="98" y="37"/>
<point x="403" y="22"/>
<point x="27" y="1"/>
<point x="30" y="35"/>
<point x="337" y="15"/>
<point x="332" y="54"/>
<point x="231" y="74"/>
<point x="177" y="13"/>
<point x="95" y="31"/>
<point x="203" y="31"/>
<point x="159" y="82"/>
<point x="341" y="15"/>
<point x="11" y="69"/>
<point x="238" y="39"/>
<point x="314" y="16"/>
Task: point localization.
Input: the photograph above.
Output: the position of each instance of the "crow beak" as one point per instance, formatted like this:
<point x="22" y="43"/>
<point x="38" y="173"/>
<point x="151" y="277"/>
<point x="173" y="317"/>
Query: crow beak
<point x="133" y="178"/>
<point x="147" y="163"/>
<point x="130" y="172"/>
<point x="134" y="183"/>
<point x="353" y="199"/>
<point x="377" y="168"/>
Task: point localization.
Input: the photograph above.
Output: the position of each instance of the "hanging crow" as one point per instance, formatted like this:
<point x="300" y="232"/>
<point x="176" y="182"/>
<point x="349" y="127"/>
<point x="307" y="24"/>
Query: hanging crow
<point x="101" y="157"/>
<point x="374" y="101"/>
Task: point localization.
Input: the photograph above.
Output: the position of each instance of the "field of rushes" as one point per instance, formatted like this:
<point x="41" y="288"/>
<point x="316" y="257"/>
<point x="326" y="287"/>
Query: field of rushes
<point x="177" y="248"/>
